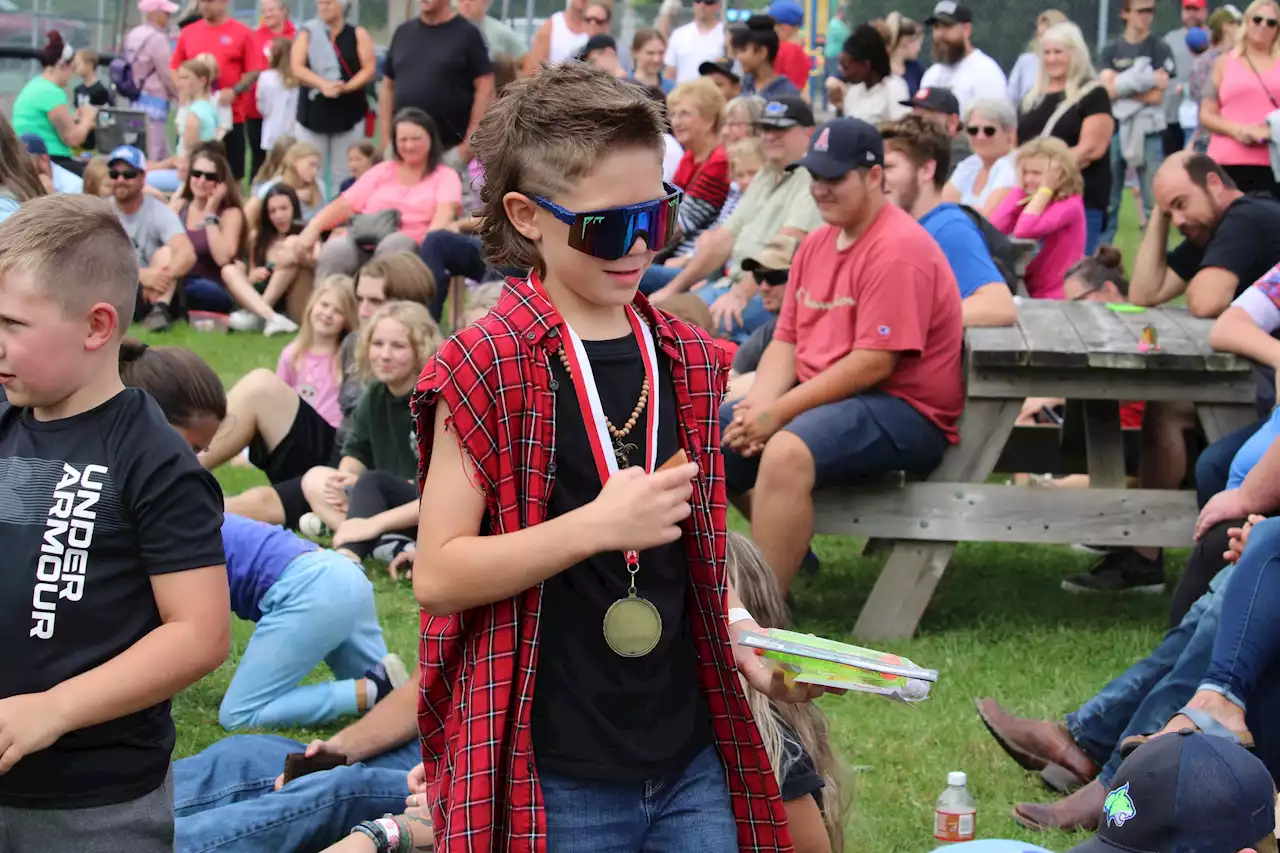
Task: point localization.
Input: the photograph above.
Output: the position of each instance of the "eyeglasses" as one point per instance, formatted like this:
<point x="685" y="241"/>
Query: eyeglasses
<point x="986" y="130"/>
<point x="609" y="234"/>
<point x="197" y="175"/>
<point x="600" y="22"/>
<point x="127" y="174"/>
<point x="1269" y="22"/>
<point x="771" y="278"/>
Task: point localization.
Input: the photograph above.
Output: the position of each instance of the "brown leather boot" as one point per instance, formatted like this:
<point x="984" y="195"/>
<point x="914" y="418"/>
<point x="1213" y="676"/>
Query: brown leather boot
<point x="1081" y="810"/>
<point x="1035" y="744"/>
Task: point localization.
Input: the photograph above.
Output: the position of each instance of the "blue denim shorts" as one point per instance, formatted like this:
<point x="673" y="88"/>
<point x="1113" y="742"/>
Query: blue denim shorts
<point x="866" y="435"/>
<point x="203" y="294"/>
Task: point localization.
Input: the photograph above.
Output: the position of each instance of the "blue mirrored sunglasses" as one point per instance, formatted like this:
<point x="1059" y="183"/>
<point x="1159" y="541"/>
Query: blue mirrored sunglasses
<point x="609" y="234"/>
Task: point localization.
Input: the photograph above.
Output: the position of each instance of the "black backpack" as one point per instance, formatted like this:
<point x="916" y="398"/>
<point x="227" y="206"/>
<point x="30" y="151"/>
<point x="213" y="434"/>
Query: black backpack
<point x="998" y="244"/>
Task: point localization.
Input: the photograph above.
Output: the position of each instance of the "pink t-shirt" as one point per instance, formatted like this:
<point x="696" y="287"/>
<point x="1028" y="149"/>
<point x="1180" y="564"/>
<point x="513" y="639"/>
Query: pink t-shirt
<point x="891" y="290"/>
<point x="315" y="379"/>
<point x="380" y="189"/>
<point x="1062" y="234"/>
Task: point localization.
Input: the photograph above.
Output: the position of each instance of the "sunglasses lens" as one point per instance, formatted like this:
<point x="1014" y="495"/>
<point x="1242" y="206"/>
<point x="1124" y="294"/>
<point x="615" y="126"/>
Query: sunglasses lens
<point x="610" y="234"/>
<point x="127" y="174"/>
<point x="776" y="278"/>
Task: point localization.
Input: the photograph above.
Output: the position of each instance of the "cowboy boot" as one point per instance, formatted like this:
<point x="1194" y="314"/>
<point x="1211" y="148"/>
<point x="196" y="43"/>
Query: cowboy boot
<point x="1037" y="744"/>
<point x="1081" y="810"/>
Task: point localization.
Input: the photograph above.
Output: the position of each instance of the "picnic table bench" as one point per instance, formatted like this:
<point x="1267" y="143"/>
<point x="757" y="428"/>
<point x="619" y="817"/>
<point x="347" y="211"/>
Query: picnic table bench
<point x="1082" y="351"/>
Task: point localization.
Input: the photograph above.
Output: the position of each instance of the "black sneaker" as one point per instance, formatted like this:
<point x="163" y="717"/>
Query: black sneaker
<point x="1120" y="571"/>
<point x="389" y="674"/>
<point x="158" y="320"/>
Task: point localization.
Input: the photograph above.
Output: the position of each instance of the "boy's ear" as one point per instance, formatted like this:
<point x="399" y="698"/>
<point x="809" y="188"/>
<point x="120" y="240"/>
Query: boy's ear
<point x="522" y="214"/>
<point x="104" y="323"/>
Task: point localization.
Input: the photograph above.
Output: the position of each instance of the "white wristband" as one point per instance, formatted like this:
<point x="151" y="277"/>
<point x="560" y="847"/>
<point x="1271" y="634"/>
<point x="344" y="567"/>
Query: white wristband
<point x="738" y="614"/>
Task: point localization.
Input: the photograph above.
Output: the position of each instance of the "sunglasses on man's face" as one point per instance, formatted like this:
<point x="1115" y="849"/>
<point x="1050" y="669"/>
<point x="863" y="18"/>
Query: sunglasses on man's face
<point x="706" y="2"/>
<point x="609" y="234"/>
<point x="771" y="278"/>
<point x="117" y="174"/>
<point x="986" y="130"/>
<point x="197" y="175"/>
<point x="1270" y="23"/>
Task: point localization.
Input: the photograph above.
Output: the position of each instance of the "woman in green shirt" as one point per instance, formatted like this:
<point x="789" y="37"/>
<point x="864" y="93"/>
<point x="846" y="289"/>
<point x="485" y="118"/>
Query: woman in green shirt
<point x="42" y="107"/>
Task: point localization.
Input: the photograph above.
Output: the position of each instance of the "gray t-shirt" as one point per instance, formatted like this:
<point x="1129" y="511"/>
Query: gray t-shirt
<point x="1184" y="62"/>
<point x="500" y="38"/>
<point x="1119" y="55"/>
<point x="153" y="225"/>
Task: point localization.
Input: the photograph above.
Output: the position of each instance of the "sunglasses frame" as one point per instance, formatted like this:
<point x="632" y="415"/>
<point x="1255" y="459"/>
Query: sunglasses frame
<point x="1270" y="23"/>
<point x="772" y="278"/>
<point x="570" y="217"/>
<point x="987" y="130"/>
<point x="204" y="176"/>
<point x="128" y="174"/>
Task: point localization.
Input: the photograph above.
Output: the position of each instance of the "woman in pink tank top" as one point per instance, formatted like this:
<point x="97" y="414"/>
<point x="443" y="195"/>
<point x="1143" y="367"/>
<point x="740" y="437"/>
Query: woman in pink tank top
<point x="1246" y="90"/>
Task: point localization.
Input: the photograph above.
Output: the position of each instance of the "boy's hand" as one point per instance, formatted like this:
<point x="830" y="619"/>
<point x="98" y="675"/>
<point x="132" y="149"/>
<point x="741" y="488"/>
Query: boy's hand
<point x="1238" y="537"/>
<point x="28" y="723"/>
<point x="770" y="681"/>
<point x="316" y="747"/>
<point x="635" y="510"/>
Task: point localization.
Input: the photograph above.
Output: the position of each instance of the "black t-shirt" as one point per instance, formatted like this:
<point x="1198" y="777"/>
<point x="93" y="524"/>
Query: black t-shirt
<point x="435" y="68"/>
<point x="95" y="95"/>
<point x="1097" y="175"/>
<point x="799" y="775"/>
<point x="596" y="714"/>
<point x="1119" y="55"/>
<point x="94" y="505"/>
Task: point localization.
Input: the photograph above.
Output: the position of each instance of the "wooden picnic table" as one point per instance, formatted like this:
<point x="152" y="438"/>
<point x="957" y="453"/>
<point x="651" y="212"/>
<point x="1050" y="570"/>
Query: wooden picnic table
<point x="1083" y="351"/>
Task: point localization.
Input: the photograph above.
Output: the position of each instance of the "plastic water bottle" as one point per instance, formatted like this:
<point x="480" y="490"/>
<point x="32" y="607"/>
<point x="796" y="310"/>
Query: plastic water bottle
<point x="954" y="815"/>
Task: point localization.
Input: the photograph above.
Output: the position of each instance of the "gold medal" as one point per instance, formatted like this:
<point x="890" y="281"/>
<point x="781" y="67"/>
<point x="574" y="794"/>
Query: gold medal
<point x="632" y="626"/>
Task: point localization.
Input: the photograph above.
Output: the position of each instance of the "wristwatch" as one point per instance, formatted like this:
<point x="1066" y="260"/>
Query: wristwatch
<point x="211" y="219"/>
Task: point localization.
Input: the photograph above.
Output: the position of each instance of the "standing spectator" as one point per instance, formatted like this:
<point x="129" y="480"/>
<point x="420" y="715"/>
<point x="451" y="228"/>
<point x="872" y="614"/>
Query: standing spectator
<point x="333" y="61"/>
<point x="648" y="49"/>
<point x="701" y="40"/>
<point x="1135" y="69"/>
<point x="1245" y="91"/>
<point x="1194" y="13"/>
<point x="438" y="63"/>
<point x="867" y="88"/>
<point x="501" y="39"/>
<point x="232" y="44"/>
<point x="1027" y="68"/>
<point x="19" y="180"/>
<point x="561" y="37"/>
<point x="42" y="107"/>
<point x="837" y="33"/>
<point x="276" y="95"/>
<point x="197" y="120"/>
<point x="964" y="69"/>
<point x="793" y="60"/>
<point x="863" y="373"/>
<point x="1070" y="104"/>
<point x="275" y="24"/>
<point x="756" y="49"/>
<point x="981" y="180"/>
<point x="1224" y="33"/>
<point x="147" y="50"/>
<point x="904" y="37"/>
<point x="90" y="92"/>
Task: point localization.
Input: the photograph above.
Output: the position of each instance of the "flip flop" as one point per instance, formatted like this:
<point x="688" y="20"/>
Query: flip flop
<point x="1201" y="721"/>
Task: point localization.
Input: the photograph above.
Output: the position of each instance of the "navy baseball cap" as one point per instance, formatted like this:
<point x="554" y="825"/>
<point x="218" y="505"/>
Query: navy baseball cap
<point x="840" y="146"/>
<point x="1186" y="793"/>
<point x="937" y="99"/>
<point x="949" y="12"/>
<point x="128" y="154"/>
<point x="786" y="111"/>
<point x="723" y="67"/>
<point x="34" y="144"/>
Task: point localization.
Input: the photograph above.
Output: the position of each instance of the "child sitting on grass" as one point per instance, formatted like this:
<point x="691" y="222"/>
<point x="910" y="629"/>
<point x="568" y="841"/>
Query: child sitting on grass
<point x="117" y="599"/>
<point x="361" y="157"/>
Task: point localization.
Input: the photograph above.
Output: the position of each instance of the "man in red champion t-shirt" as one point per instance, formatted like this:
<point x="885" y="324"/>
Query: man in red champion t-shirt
<point x="863" y="374"/>
<point x="232" y="45"/>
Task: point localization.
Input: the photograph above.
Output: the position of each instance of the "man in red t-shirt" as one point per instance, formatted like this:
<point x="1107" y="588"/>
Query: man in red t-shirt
<point x="231" y="44"/>
<point x="863" y="374"/>
<point x="793" y="61"/>
<point x="274" y="24"/>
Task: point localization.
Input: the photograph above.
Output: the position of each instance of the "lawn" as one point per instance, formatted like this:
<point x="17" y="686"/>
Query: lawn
<point x="999" y="625"/>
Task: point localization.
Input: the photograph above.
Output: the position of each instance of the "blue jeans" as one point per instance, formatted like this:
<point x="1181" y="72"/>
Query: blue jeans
<point x="871" y="433"/>
<point x="1213" y="467"/>
<point x="685" y="811"/>
<point x="447" y="254"/>
<point x="1153" y="155"/>
<point x="657" y="277"/>
<point x="1093" y="221"/>
<point x="754" y="315"/>
<point x="320" y="609"/>
<point x="1245" y="666"/>
<point x="223" y="798"/>
<point x="204" y="294"/>
<point x="1143" y="698"/>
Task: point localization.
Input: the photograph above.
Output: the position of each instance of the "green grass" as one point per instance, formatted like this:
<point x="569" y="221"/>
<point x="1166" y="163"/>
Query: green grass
<point x="999" y="625"/>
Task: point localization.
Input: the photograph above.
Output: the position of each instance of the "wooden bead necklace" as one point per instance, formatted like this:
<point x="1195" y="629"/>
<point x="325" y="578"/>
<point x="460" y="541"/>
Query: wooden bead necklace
<point x="620" y="448"/>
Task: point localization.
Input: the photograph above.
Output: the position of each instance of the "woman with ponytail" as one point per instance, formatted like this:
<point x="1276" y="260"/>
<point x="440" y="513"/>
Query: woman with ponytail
<point x="43" y="108"/>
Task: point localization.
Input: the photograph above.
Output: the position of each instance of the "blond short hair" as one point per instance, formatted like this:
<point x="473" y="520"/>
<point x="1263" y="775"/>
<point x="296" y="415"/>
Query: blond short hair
<point x="424" y="334"/>
<point x="746" y="149"/>
<point x="1056" y="151"/>
<point x="75" y="249"/>
<point x="701" y="94"/>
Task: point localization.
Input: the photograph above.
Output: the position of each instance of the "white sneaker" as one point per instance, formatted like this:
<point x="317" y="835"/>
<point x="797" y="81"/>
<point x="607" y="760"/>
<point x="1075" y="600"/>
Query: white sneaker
<point x="311" y="525"/>
<point x="245" y="321"/>
<point x="279" y="325"/>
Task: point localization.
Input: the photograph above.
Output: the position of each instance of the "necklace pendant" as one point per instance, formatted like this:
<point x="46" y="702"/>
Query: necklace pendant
<point x="623" y="452"/>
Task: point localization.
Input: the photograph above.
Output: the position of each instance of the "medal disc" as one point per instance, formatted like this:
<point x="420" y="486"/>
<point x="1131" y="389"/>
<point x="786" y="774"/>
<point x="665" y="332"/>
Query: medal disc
<point x="632" y="627"/>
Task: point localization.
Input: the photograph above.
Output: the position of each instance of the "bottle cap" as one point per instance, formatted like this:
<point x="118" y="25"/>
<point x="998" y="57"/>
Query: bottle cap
<point x="956" y="779"/>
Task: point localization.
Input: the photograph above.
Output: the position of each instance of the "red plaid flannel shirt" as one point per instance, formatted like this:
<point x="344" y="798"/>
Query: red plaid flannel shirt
<point x="478" y="666"/>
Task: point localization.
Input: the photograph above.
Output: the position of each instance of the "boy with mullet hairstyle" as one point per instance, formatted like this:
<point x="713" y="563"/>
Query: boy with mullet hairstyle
<point x="580" y="688"/>
<point x="114" y="595"/>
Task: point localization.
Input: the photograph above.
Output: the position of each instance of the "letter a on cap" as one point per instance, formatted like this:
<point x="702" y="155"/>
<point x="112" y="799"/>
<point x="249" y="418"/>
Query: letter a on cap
<point x="823" y="141"/>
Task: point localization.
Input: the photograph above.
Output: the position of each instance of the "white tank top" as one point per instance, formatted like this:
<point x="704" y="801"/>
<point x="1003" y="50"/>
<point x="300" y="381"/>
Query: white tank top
<point x="565" y="43"/>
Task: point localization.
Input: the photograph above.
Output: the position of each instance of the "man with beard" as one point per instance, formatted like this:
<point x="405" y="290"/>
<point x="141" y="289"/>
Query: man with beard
<point x="165" y="253"/>
<point x="968" y="72"/>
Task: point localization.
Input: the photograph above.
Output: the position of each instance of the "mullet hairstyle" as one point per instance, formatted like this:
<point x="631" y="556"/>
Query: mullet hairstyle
<point x="543" y="135"/>
<point x="75" y="249"/>
<point x="919" y="140"/>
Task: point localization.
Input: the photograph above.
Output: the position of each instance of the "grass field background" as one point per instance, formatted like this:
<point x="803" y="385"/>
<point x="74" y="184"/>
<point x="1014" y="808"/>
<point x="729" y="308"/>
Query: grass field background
<point x="998" y="626"/>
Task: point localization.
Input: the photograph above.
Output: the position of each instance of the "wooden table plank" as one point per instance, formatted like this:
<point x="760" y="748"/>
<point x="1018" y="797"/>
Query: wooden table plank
<point x="1176" y="349"/>
<point x="996" y="346"/>
<point x="1197" y="328"/>
<point x="1051" y="340"/>
<point x="1109" y="342"/>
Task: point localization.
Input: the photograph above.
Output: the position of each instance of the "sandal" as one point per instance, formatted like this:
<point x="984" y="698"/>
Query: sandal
<point x="1201" y="721"/>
